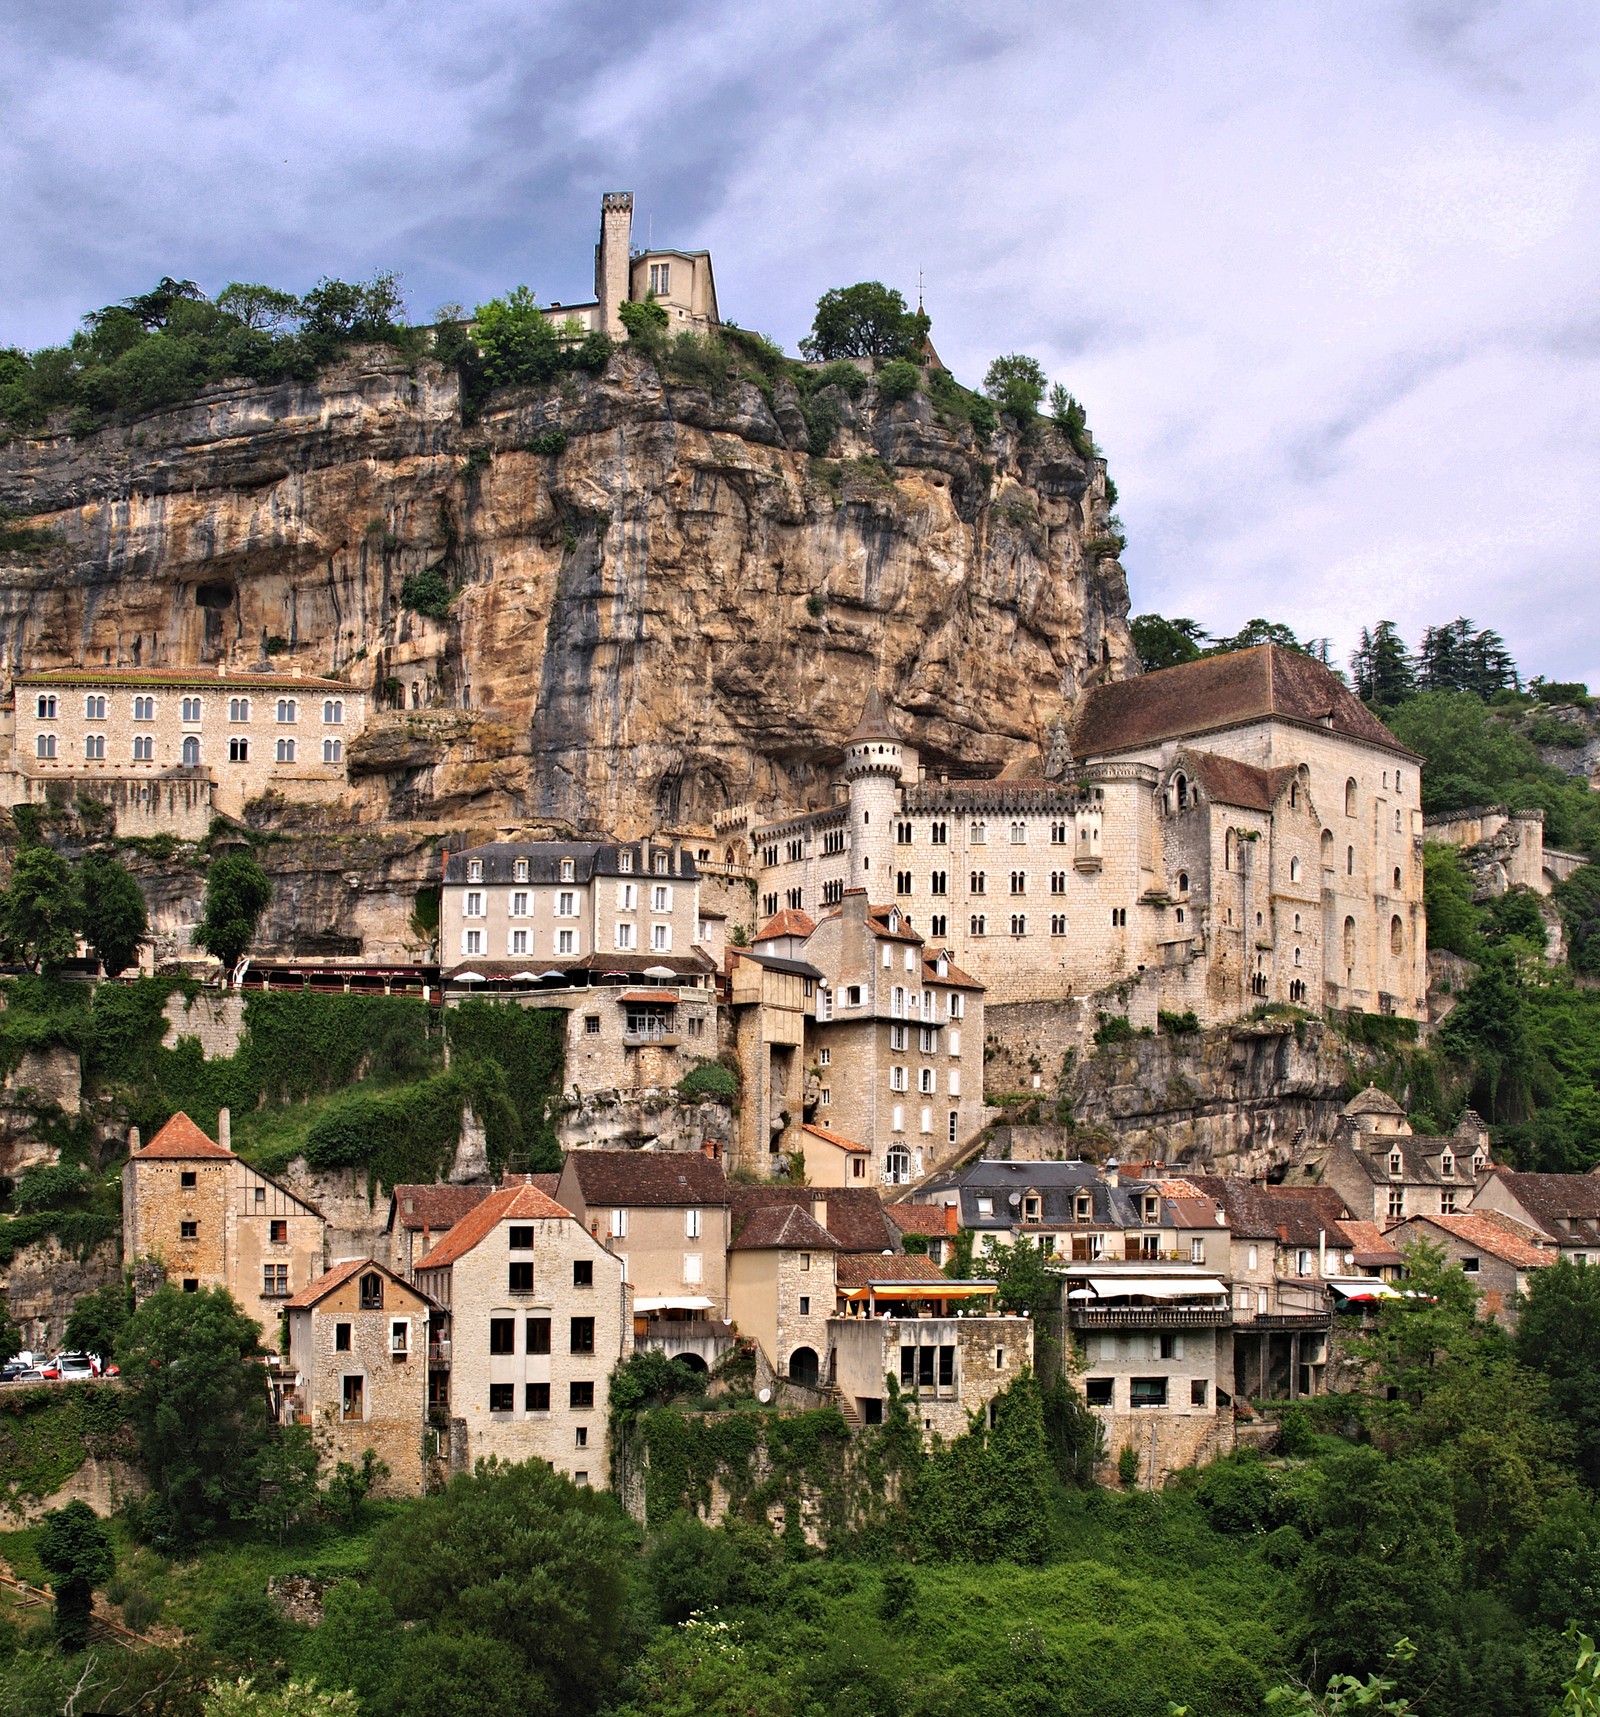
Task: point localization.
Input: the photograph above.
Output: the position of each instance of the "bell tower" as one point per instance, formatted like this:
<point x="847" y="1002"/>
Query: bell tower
<point x="872" y="764"/>
<point x="611" y="258"/>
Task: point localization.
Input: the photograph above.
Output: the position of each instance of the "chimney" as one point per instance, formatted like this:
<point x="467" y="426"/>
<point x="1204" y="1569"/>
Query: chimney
<point x="133" y="1140"/>
<point x="225" y="1129"/>
<point x="819" y="1211"/>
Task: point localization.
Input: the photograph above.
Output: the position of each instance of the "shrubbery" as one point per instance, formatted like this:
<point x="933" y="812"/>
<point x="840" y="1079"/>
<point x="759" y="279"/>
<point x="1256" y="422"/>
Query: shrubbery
<point x="710" y="1079"/>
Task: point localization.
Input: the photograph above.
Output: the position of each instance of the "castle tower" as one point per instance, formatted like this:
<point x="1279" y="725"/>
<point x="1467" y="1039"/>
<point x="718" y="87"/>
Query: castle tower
<point x="872" y="765"/>
<point x="611" y="258"/>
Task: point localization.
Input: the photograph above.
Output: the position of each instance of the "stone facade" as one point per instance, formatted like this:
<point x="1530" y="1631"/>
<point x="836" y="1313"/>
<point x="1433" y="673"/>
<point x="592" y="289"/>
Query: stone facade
<point x="536" y="1316"/>
<point x="358" y="1343"/>
<point x="946" y="1368"/>
<point x="781" y="1290"/>
<point x="166" y="747"/>
<point x="209" y="1220"/>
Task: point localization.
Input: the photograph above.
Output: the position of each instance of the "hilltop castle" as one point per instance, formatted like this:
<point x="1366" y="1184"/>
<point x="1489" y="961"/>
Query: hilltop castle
<point x="680" y="281"/>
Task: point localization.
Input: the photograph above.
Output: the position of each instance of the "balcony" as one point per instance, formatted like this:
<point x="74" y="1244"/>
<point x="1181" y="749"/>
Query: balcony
<point x="641" y="1029"/>
<point x="1149" y="1317"/>
<point x="439" y="1351"/>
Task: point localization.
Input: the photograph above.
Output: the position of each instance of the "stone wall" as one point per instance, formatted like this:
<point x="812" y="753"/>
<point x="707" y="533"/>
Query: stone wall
<point x="103" y="1482"/>
<point x="41" y="1079"/>
<point x="1166" y="1443"/>
<point x="43" y="1282"/>
<point x="617" y="1120"/>
<point x="214" y="1017"/>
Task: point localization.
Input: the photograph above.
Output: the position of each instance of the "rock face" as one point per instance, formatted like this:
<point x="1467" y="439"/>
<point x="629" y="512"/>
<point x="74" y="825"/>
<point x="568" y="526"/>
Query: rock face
<point x="680" y="611"/>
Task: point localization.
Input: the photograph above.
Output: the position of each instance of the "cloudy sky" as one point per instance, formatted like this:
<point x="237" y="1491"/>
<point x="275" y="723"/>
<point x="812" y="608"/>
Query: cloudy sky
<point x="1324" y="274"/>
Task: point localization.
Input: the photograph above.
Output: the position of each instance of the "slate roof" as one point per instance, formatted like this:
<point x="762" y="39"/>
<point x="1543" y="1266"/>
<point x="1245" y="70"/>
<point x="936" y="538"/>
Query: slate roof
<point x="341" y="1273"/>
<point x="1514" y="1244"/>
<point x="1566" y="1206"/>
<point x="638" y="1178"/>
<point x="874" y="722"/>
<point x="1372" y="1101"/>
<point x="508" y="1204"/>
<point x="1057" y="1184"/>
<point x="1419" y="1160"/>
<point x="589" y="860"/>
<point x="436" y="1207"/>
<point x="781" y="1227"/>
<point x="1219" y="692"/>
<point x="1228" y="782"/>
<point x="181" y="1140"/>
<point x="855" y="1216"/>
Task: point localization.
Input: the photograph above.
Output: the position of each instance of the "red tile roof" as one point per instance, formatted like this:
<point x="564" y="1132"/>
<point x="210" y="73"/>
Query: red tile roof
<point x="182" y="1139"/>
<point x="924" y="1218"/>
<point x="237" y="681"/>
<point x="511" y="1203"/>
<point x="878" y="924"/>
<point x="340" y="1274"/>
<point x="1517" y="1248"/>
<point x="648" y="1177"/>
<point x="828" y="1138"/>
<point x="546" y="1183"/>
<point x="955" y="977"/>
<point x="1219" y="692"/>
<point x="1366" y="1241"/>
<point x="437" y="1207"/>
<point x="855" y="1216"/>
<point x="786" y="923"/>
<point x="781" y="1227"/>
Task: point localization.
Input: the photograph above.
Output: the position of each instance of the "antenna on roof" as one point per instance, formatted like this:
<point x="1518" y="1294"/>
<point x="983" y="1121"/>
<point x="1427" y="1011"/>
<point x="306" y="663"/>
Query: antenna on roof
<point x="919" y="291"/>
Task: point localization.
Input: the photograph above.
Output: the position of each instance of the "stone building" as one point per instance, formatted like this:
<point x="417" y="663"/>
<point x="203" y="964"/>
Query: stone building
<point x="1497" y="1254"/>
<point x="1386" y="1173"/>
<point x="421" y="1215"/>
<point x="664" y="1215"/>
<point x="772" y="1005"/>
<point x="358" y="1345"/>
<point x="536" y="1314"/>
<point x="1504" y="849"/>
<point x="209" y="1220"/>
<point x="1235" y="830"/>
<point x="680" y="281"/>
<point x="167" y="748"/>
<point x="781" y="1287"/>
<point x="1563" y="1208"/>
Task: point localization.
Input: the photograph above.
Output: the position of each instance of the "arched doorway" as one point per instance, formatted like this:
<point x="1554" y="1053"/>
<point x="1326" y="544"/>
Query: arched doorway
<point x="803" y="1366"/>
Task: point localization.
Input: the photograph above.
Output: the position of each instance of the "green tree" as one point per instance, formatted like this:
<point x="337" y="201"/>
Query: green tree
<point x="351" y="1485"/>
<point x="517" y="340"/>
<point x="10" y="1334"/>
<point x="1256" y="632"/>
<point x="98" y="1319"/>
<point x="262" y="308"/>
<point x="339" y="310"/>
<point x="238" y="891"/>
<point x="39" y="911"/>
<point x="709" y="1668"/>
<point x="1472" y="759"/>
<point x="242" y="1698"/>
<point x="1161" y="643"/>
<point x="1016" y="384"/>
<point x="1413" y="1334"/>
<point x="690" y="1569"/>
<point x="460" y="1675"/>
<point x="198" y="1406"/>
<point x="867" y="320"/>
<point x="1455" y="658"/>
<point x="531" y="1562"/>
<point x="1558" y="1336"/>
<point x="1453" y="922"/>
<point x="1381" y="666"/>
<point x="1579" y="901"/>
<point x="644" y="319"/>
<point x="1072" y="420"/>
<point x="1489" y="1027"/>
<point x="899" y="379"/>
<point x="354" y="1645"/>
<point x="1026" y="1283"/>
<point x="286" y="1472"/>
<point x="114" y="919"/>
<point x="75" y="1551"/>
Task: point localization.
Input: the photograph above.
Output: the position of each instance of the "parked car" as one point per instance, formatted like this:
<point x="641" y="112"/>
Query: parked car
<point x="76" y="1365"/>
<point x="32" y="1375"/>
<point x="12" y="1370"/>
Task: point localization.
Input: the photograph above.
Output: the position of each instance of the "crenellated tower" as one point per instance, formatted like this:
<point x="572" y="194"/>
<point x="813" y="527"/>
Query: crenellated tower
<point x="611" y="258"/>
<point x="872" y="764"/>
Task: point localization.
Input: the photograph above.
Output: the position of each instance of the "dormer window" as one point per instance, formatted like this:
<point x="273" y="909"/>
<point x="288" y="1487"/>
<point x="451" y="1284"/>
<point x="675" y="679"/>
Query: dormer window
<point x="986" y="1207"/>
<point x="1447" y="1164"/>
<point x="1479" y="1164"/>
<point x="1396" y="1163"/>
<point x="659" y="860"/>
<point x="474" y="870"/>
<point x="1083" y="1207"/>
<point x="625" y="863"/>
<point x="1030" y="1208"/>
<point x="1152" y="1207"/>
<point x="894" y="922"/>
<point x="519" y="870"/>
<point x="567" y="872"/>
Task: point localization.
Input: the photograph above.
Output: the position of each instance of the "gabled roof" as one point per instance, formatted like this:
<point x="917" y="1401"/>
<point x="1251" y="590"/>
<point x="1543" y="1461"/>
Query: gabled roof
<point x="781" y="1227"/>
<point x="509" y="1204"/>
<point x="786" y="923"/>
<point x="855" y="1217"/>
<point x="1292" y="1215"/>
<point x="1219" y="692"/>
<point x="1365" y="1240"/>
<point x="324" y="1285"/>
<point x="182" y="1139"/>
<point x="1511" y="1242"/>
<point x="878" y="924"/>
<point x="931" y="1219"/>
<point x="856" y="1269"/>
<point x="1229" y="782"/>
<point x="435" y="1208"/>
<point x="1566" y="1205"/>
<point x="828" y="1138"/>
<point x="955" y="977"/>
<point x="635" y="1178"/>
<point x="874" y="722"/>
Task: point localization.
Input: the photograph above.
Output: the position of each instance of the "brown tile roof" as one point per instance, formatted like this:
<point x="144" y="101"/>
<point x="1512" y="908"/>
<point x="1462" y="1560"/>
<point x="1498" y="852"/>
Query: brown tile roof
<point x="1516" y="1248"/>
<point x="838" y="1139"/>
<point x="856" y="1269"/>
<point x="648" y="1177"/>
<point x="787" y="923"/>
<point x="955" y="977"/>
<point x="923" y="1218"/>
<point x="855" y="1216"/>
<point x="546" y="1183"/>
<point x="1294" y="1215"/>
<point x="340" y="1274"/>
<point x="182" y="1139"/>
<point x="781" y="1227"/>
<point x="1219" y="692"/>
<point x="1566" y="1205"/>
<point x="878" y="924"/>
<point x="435" y="1208"/>
<point x="1365" y="1240"/>
<point x="232" y="682"/>
<point x="510" y="1203"/>
<point x="1229" y="782"/>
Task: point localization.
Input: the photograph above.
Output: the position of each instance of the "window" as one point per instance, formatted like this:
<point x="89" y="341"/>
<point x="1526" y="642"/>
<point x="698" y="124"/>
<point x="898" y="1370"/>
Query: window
<point x="1019" y="882"/>
<point x="1447" y="1201"/>
<point x="1097" y="1391"/>
<point x="1350" y="797"/>
<point x="287" y="711"/>
<point x="580" y="1395"/>
<point x="852" y="995"/>
<point x="567" y="871"/>
<point x="333" y="711"/>
<point x="624" y="936"/>
<point x="94" y="746"/>
<point x="1197" y="1391"/>
<point x="897" y="1165"/>
<point x="897" y="1079"/>
<point x="660" y="278"/>
<point x="1170" y="1346"/>
<point x="352" y="1398"/>
<point x="191" y="709"/>
<point x="627" y="896"/>
<point x="519" y="942"/>
<point x="977" y="883"/>
<point x="950" y="1130"/>
<point x="660" y="938"/>
<point x="1058" y="834"/>
<point x="519" y="1276"/>
<point x="661" y="898"/>
<point x="191" y="1284"/>
<point x="502" y="1397"/>
<point x="47" y="709"/>
<point x="1147" y="1392"/>
<point x="94" y="708"/>
<point x="187" y="1178"/>
<point x="566" y="943"/>
<point x="1397" y="936"/>
<point x="691" y="1224"/>
<point x="902" y="882"/>
<point x="1349" y="943"/>
<point x="1294" y="870"/>
<point x="581" y="1437"/>
<point x="1058" y="924"/>
<point x="341" y="1338"/>
<point x="925" y="1082"/>
<point x="979" y="835"/>
<point x="238" y="749"/>
<point x="1183" y="882"/>
<point x="692" y="1269"/>
<point x="1302" y="1261"/>
<point x="1019" y="924"/>
<point x="333" y="751"/>
<point x="519" y="870"/>
<point x="978" y="924"/>
<point x="939" y="834"/>
<point x="45" y="745"/>
<point x="1349" y="861"/>
<point x="536" y="1398"/>
<point x="275" y="1281"/>
<point x="238" y="708"/>
<point x="619" y="1225"/>
<point x="400" y="1338"/>
<point x="502" y="1335"/>
<point x="583" y="1335"/>
<point x="1019" y="834"/>
<point x="902" y="834"/>
<point x="938" y="882"/>
<point x="1447" y="1163"/>
<point x="953" y="1081"/>
<point x="1397" y="881"/>
<point x="566" y="905"/>
<point x="472" y="942"/>
<point x="805" y="1305"/>
<point x="188" y="1230"/>
<point x="144" y="748"/>
<point x="1471" y="1266"/>
<point x="286" y="751"/>
<point x="1397" y="1203"/>
<point x="1119" y="917"/>
<point x="474" y="906"/>
<point x="278" y="1234"/>
<point x="1197" y="1251"/>
<point x="537" y="1335"/>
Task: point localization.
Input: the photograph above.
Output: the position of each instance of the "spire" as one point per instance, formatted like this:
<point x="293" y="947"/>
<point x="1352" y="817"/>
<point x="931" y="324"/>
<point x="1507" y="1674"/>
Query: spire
<point x="874" y="722"/>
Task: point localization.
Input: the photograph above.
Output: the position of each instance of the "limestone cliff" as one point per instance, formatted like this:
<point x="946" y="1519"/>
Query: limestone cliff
<point x="679" y="610"/>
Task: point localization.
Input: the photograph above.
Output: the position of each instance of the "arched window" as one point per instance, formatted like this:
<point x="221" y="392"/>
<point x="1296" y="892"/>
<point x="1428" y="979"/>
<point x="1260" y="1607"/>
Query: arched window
<point x="333" y="751"/>
<point x="286" y="709"/>
<point x="144" y="709"/>
<point x="1350" y="797"/>
<point x="191" y="709"/>
<point x="333" y="711"/>
<point x="1183" y="882"/>
<point x="94" y="746"/>
<point x="1294" y="795"/>
<point x="1397" y="935"/>
<point x="191" y="752"/>
<point x="143" y="748"/>
<point x="1227" y="850"/>
<point x="1397" y="881"/>
<point x="1182" y="785"/>
<point x="897" y="1165"/>
<point x="94" y="708"/>
<point x="372" y="1292"/>
<point x="46" y="745"/>
<point x="1297" y="956"/>
<point x="1327" y="849"/>
<point x="1294" y="870"/>
<point x="238" y="709"/>
<point x="1349" y="943"/>
<point x="47" y="708"/>
<point x="286" y="751"/>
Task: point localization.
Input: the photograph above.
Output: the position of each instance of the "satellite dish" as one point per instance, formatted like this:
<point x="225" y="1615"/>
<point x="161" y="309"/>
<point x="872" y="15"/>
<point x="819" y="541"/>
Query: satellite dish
<point x="763" y="1396"/>
<point x="1014" y="1200"/>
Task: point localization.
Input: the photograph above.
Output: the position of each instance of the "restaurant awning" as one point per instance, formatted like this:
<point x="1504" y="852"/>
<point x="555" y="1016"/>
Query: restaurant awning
<point x="673" y="1303"/>
<point x="1362" y="1288"/>
<point x="1149" y="1287"/>
<point x="920" y="1291"/>
<point x="664" y="998"/>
